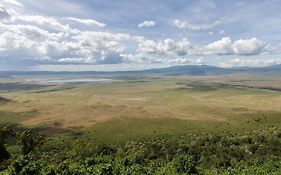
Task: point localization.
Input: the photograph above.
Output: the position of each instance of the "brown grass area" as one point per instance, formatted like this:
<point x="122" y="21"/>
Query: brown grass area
<point x="88" y="104"/>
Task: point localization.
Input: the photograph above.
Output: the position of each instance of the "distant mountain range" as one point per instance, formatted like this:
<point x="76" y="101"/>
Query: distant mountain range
<point x="196" y="70"/>
<point x="211" y="70"/>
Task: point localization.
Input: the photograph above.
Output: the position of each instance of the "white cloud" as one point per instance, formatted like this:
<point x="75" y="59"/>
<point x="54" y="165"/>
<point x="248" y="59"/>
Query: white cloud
<point x="270" y="49"/>
<point x="76" y="60"/>
<point x="46" y="22"/>
<point x="36" y="38"/>
<point x="167" y="46"/>
<point x="147" y="23"/>
<point x="137" y="58"/>
<point x="8" y="9"/>
<point x="27" y="41"/>
<point x="163" y="51"/>
<point x="55" y="23"/>
<point x="251" y="46"/>
<point x="220" y="47"/>
<point x="186" y="25"/>
<point x="13" y="2"/>
<point x="226" y="46"/>
<point x="88" y="22"/>
<point x="180" y="60"/>
<point x="17" y="41"/>
<point x="199" y="61"/>
<point x="63" y="40"/>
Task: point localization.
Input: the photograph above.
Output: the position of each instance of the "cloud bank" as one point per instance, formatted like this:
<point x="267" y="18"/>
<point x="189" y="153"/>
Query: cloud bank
<point x="38" y="39"/>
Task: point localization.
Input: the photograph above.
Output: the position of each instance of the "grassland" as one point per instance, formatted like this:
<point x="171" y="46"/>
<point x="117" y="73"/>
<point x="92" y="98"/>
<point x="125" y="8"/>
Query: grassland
<point x="205" y="99"/>
<point x="143" y="108"/>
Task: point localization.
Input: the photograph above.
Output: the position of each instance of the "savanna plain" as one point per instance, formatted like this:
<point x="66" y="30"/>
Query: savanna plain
<point x="140" y="124"/>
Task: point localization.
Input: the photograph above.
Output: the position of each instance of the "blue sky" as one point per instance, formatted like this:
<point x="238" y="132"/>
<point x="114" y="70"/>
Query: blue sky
<point x="106" y="35"/>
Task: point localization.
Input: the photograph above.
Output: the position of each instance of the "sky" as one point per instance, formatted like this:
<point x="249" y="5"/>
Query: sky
<point x="111" y="35"/>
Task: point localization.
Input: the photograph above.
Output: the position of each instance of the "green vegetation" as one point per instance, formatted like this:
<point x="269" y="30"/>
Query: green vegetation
<point x="257" y="152"/>
<point x="12" y="118"/>
<point x="143" y="125"/>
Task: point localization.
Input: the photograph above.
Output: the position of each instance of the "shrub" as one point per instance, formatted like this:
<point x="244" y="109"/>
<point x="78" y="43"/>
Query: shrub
<point x="4" y="154"/>
<point x="185" y="164"/>
<point x="28" y="141"/>
<point x="104" y="149"/>
<point x="4" y="134"/>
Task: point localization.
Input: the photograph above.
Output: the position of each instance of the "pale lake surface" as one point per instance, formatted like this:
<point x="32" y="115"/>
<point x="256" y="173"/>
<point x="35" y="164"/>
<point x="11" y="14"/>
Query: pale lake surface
<point x="73" y="80"/>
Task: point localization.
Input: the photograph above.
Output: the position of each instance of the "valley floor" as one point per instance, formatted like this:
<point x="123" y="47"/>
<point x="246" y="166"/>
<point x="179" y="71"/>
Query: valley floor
<point x="142" y="109"/>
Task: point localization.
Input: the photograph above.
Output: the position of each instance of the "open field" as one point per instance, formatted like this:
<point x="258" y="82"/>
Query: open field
<point x="81" y="105"/>
<point x="175" y="112"/>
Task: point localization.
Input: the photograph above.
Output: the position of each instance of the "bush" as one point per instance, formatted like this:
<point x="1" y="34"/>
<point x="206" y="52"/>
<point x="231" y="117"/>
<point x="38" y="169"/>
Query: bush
<point x="185" y="164"/>
<point x="28" y="141"/>
<point x="104" y="149"/>
<point x="209" y="154"/>
<point x="4" y="134"/>
<point x="4" y="154"/>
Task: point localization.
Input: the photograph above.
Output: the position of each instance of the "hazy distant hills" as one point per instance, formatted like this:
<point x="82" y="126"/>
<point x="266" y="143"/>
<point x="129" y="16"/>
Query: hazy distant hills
<point x="196" y="70"/>
<point x="189" y="70"/>
<point x="212" y="70"/>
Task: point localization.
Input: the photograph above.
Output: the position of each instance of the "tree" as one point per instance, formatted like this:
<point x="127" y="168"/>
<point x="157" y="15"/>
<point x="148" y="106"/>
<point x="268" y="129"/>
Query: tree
<point x="28" y="141"/>
<point x="4" y="134"/>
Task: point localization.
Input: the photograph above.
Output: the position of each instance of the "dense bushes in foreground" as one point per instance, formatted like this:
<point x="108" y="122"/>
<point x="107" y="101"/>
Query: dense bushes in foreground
<point x="207" y="154"/>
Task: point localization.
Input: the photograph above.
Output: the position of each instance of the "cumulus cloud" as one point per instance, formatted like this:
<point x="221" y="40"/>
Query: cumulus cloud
<point x="251" y="46"/>
<point x="226" y="46"/>
<point x="138" y="58"/>
<point x="52" y="40"/>
<point x="199" y="61"/>
<point x="27" y="41"/>
<point x="163" y="51"/>
<point x="87" y="22"/>
<point x="26" y="37"/>
<point x="180" y="60"/>
<point x="147" y="23"/>
<point x="23" y="41"/>
<point x="220" y="47"/>
<point x="186" y="25"/>
<point x="147" y="58"/>
<point x="167" y="46"/>
<point x="270" y="49"/>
